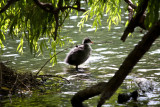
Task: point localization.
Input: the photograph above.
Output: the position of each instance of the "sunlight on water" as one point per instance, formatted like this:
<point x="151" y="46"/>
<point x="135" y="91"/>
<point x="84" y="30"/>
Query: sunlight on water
<point x="95" y="58"/>
<point x="154" y="102"/>
<point x="11" y="55"/>
<point x="155" y="52"/>
<point x="69" y="93"/>
<point x="108" y="52"/>
<point x="146" y="70"/>
<point x="91" y="29"/>
<point x="100" y="49"/>
<point x="68" y="26"/>
<point x="87" y="25"/>
<point x="73" y="17"/>
<point x="157" y="73"/>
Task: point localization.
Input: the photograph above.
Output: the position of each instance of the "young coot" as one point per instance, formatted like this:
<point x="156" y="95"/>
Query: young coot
<point x="79" y="54"/>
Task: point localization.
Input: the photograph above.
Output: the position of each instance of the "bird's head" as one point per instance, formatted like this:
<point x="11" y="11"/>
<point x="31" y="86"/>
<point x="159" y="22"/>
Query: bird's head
<point x="87" y="41"/>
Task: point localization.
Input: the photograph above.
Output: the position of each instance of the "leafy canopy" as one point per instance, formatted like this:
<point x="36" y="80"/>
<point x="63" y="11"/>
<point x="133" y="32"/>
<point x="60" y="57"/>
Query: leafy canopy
<point x="39" y="22"/>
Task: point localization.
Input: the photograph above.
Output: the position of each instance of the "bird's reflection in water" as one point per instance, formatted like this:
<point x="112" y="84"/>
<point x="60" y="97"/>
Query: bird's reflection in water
<point x="72" y="70"/>
<point x="81" y="74"/>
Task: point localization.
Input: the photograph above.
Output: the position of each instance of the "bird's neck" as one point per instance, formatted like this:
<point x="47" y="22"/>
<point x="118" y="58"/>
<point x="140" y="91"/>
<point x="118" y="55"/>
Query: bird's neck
<point x="86" y="46"/>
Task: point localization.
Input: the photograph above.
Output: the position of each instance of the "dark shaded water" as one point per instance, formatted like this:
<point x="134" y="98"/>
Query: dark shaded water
<point x="107" y="56"/>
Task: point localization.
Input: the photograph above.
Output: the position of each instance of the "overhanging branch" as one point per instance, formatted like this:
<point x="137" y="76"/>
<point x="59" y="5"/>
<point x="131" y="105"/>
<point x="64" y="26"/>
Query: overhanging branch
<point x="48" y="7"/>
<point x="45" y="6"/>
<point x="87" y="93"/>
<point x="129" y="2"/>
<point x="138" y="20"/>
<point x="9" y="3"/>
<point x="131" y="8"/>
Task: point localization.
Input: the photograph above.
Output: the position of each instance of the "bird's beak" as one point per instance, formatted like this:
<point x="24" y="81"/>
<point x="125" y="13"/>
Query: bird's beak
<point x="91" y="42"/>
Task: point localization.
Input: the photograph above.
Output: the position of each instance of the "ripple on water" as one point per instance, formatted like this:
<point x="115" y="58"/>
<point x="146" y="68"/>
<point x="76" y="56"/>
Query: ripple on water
<point x="69" y="93"/>
<point x="103" y="76"/>
<point x="108" y="52"/>
<point x="153" y="103"/>
<point x="23" y="62"/>
<point x="121" y="56"/>
<point x="109" y="75"/>
<point x="99" y="44"/>
<point x="145" y="70"/>
<point x="117" y="27"/>
<point x="110" y="68"/>
<point x="157" y="73"/>
<point x="10" y="47"/>
<point x="155" y="52"/>
<point x="95" y="58"/>
<point x="91" y="29"/>
<point x="73" y="17"/>
<point x="10" y="55"/>
<point x="100" y="49"/>
<point x="69" y="26"/>
<point x="87" y="25"/>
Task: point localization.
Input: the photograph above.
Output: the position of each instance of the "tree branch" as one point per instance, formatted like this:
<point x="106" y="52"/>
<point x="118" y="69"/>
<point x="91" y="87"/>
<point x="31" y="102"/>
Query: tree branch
<point x="51" y="58"/>
<point x="128" y="64"/>
<point x="138" y="20"/>
<point x="45" y="6"/>
<point x="129" y="2"/>
<point x="87" y="93"/>
<point x="49" y="8"/>
<point x="9" y="2"/>
<point x="131" y="7"/>
<point x="108" y="89"/>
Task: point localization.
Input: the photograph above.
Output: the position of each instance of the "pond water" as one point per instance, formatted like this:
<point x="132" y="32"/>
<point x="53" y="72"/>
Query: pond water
<point x="107" y="55"/>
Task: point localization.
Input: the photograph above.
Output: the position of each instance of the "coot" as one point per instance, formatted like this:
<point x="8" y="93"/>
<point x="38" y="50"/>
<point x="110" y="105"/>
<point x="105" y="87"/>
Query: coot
<point x="79" y="54"/>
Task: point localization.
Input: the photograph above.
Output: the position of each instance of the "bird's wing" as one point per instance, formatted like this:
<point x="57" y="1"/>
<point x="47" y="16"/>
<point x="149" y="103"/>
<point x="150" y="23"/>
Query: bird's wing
<point x="76" y="52"/>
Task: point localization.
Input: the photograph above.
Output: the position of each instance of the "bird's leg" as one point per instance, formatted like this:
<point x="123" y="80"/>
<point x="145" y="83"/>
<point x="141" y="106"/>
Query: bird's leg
<point x="76" y="67"/>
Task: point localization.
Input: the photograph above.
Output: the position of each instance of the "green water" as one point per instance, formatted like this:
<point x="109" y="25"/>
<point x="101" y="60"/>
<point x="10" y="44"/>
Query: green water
<point x="107" y="55"/>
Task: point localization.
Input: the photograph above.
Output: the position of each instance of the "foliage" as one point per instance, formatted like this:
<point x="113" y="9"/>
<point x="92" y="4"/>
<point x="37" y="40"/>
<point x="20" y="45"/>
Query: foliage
<point x="100" y="7"/>
<point x="152" y="15"/>
<point x="28" y="22"/>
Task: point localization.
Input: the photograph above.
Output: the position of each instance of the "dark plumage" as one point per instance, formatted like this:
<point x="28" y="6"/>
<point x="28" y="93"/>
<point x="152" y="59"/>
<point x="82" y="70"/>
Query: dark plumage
<point x="79" y="54"/>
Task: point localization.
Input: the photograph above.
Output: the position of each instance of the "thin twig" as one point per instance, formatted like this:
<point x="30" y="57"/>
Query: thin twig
<point x="50" y="59"/>
<point x="10" y="93"/>
<point x="53" y="76"/>
<point x="14" y="84"/>
<point x="1" y="75"/>
<point x="65" y="18"/>
<point x="48" y="7"/>
<point x="9" y="3"/>
<point x="135" y="21"/>
<point x="23" y="84"/>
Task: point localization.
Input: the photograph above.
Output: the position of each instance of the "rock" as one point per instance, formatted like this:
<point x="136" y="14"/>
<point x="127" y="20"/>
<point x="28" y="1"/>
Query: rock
<point x="122" y="98"/>
<point x="144" y="84"/>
